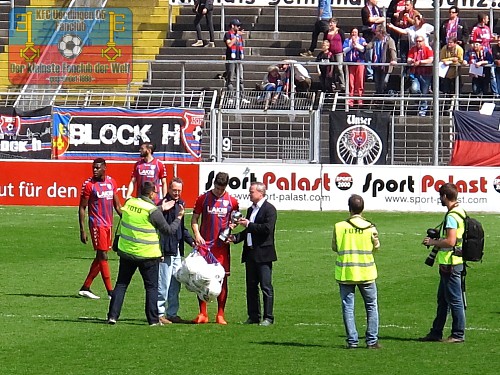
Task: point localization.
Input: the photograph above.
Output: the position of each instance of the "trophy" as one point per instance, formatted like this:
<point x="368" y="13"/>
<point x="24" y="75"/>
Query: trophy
<point x="225" y="233"/>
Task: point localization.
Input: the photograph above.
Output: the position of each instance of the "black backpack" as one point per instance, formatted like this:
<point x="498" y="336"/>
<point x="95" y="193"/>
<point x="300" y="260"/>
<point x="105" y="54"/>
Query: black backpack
<point x="473" y="239"/>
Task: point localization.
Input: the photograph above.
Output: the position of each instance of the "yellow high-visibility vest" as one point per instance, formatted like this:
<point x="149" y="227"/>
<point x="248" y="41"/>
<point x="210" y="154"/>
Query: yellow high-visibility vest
<point x="445" y="255"/>
<point x="355" y="262"/>
<point x="138" y="236"/>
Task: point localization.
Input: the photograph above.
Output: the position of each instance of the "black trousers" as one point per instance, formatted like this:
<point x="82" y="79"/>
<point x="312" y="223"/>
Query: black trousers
<point x="320" y="26"/>
<point x="210" y="25"/>
<point x="259" y="274"/>
<point x="149" y="272"/>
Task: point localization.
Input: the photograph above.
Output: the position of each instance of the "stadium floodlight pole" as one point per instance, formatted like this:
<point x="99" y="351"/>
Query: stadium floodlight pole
<point x="435" y="86"/>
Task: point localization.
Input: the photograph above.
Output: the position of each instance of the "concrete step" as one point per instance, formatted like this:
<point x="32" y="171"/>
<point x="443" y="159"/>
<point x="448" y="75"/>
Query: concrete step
<point x="186" y="22"/>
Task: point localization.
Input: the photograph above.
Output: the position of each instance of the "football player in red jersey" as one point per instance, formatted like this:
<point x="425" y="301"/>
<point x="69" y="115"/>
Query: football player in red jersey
<point x="148" y="169"/>
<point x="99" y="193"/>
<point x="214" y="207"/>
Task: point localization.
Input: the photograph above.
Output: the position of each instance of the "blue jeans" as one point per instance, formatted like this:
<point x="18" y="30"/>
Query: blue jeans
<point x="369" y="294"/>
<point x="420" y="85"/>
<point x="449" y="298"/>
<point x="168" y="286"/>
<point x="495" y="80"/>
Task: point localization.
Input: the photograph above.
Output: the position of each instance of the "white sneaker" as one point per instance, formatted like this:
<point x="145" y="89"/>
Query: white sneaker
<point x="111" y="321"/>
<point x="245" y="101"/>
<point x="198" y="43"/>
<point x="88" y="294"/>
<point x="210" y="45"/>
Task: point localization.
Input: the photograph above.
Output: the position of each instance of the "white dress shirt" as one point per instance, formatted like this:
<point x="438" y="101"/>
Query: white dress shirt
<point x="255" y="211"/>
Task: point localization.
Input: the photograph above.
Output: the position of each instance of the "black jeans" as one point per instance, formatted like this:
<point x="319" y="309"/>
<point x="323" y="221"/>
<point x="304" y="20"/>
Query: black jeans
<point x="210" y="24"/>
<point x="259" y="273"/>
<point x="320" y="26"/>
<point x="149" y="272"/>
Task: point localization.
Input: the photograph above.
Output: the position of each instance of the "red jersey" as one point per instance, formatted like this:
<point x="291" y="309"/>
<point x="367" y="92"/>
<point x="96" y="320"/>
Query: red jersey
<point x="419" y="55"/>
<point x="153" y="171"/>
<point x="215" y="215"/>
<point x="100" y="197"/>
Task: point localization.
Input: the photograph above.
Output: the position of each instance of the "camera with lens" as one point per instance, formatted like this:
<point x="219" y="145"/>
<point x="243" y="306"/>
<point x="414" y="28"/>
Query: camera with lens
<point x="434" y="234"/>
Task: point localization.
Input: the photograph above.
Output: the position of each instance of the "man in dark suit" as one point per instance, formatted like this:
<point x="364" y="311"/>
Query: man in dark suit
<point x="259" y="253"/>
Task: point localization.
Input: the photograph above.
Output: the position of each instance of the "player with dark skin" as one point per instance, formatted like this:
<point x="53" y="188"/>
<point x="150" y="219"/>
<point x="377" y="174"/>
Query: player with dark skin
<point x="99" y="173"/>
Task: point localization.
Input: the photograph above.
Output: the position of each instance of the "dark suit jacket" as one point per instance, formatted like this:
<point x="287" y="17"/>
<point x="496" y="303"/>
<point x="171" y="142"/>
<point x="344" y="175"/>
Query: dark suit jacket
<point x="169" y="243"/>
<point x="262" y="230"/>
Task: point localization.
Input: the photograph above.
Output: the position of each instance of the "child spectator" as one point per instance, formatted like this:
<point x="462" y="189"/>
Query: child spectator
<point x="272" y="82"/>
<point x="325" y="71"/>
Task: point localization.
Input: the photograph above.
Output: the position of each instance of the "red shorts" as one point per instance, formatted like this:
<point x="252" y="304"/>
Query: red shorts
<point x="223" y="257"/>
<point x="101" y="238"/>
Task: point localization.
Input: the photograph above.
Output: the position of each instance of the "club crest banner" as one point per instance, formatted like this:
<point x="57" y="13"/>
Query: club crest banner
<point x="116" y="133"/>
<point x="358" y="138"/>
<point x="25" y="134"/>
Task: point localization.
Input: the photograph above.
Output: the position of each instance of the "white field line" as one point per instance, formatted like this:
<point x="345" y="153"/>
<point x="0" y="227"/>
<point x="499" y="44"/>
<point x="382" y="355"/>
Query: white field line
<point x="483" y="329"/>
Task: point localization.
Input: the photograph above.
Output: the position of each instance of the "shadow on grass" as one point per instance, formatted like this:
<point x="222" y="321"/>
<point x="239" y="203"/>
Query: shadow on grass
<point x="393" y="338"/>
<point x="94" y="320"/>
<point x="44" y="295"/>
<point x="288" y="343"/>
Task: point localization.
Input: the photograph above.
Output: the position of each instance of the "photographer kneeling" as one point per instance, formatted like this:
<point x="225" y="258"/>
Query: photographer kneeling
<point x="449" y="294"/>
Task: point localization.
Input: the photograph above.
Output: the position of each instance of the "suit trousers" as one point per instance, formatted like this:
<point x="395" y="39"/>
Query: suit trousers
<point x="259" y="273"/>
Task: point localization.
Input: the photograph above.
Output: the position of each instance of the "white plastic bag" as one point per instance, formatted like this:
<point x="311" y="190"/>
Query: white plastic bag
<point x="201" y="277"/>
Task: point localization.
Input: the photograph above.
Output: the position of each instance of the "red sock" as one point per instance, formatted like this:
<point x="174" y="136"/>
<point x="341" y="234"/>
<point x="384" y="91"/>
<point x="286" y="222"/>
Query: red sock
<point x="221" y="300"/>
<point x="106" y="274"/>
<point x="93" y="272"/>
<point x="203" y="307"/>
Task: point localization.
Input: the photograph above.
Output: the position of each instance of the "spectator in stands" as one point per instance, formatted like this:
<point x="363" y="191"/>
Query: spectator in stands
<point x="204" y="8"/>
<point x="495" y="51"/>
<point x="233" y="39"/>
<point x="451" y="55"/>
<point x="371" y="16"/>
<point x="354" y="51"/>
<point x="404" y="20"/>
<point x="395" y="6"/>
<point x="478" y="57"/>
<point x="421" y="28"/>
<point x="384" y="51"/>
<point x="325" y="71"/>
<point x="320" y="26"/>
<point x="454" y="27"/>
<point x="336" y="38"/>
<point x="482" y="33"/>
<point x="420" y="76"/>
<point x="272" y="82"/>
<point x="302" y="79"/>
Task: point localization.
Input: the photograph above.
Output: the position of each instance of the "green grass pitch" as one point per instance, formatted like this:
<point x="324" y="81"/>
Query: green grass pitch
<point x="47" y="329"/>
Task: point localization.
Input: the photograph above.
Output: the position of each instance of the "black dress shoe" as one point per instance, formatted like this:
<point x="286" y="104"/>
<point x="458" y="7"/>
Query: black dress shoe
<point x="430" y="338"/>
<point x="250" y="321"/>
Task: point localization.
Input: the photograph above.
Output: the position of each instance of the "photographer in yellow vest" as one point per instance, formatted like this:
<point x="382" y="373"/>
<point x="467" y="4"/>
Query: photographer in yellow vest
<point x="139" y="247"/>
<point x="449" y="296"/>
<point x="355" y="240"/>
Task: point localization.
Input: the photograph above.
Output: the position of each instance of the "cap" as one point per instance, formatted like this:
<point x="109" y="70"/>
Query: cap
<point x="235" y="22"/>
